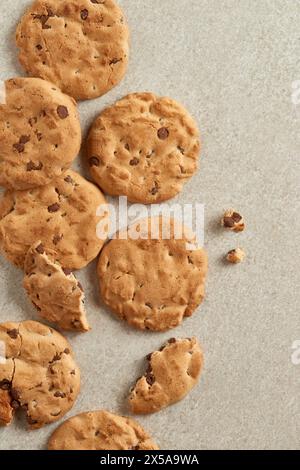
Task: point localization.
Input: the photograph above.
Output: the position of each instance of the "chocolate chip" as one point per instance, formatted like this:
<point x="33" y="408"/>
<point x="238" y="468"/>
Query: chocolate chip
<point x="134" y="162"/>
<point x="19" y="147"/>
<point x="73" y="372"/>
<point x="54" y="207"/>
<point x="115" y="61"/>
<point x="32" y="121"/>
<point x="163" y="133"/>
<point x="68" y="179"/>
<point x="84" y="14"/>
<point x="59" y="394"/>
<point x="236" y="217"/>
<point x="31" y="166"/>
<point x="57" y="239"/>
<point x="67" y="271"/>
<point x="67" y="351"/>
<point x="148" y="305"/>
<point x="5" y="384"/>
<point x="94" y="161"/>
<point x="39" y="47"/>
<point x="172" y="340"/>
<point x="149" y="357"/>
<point x="155" y="189"/>
<point x="228" y="222"/>
<point x="56" y="357"/>
<point x="62" y="111"/>
<point x="40" y="249"/>
<point x="13" y="333"/>
<point x="39" y="136"/>
<point x="150" y="379"/>
<point x="127" y="147"/>
<point x="24" y="139"/>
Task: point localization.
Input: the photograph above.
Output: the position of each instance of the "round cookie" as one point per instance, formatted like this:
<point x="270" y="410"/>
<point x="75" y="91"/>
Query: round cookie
<point x="82" y="47"/>
<point x="40" y="133"/>
<point x="152" y="283"/>
<point x="61" y="214"/>
<point x="40" y="375"/>
<point x="54" y="291"/>
<point x="100" y="430"/>
<point x="172" y="373"/>
<point x="144" y="147"/>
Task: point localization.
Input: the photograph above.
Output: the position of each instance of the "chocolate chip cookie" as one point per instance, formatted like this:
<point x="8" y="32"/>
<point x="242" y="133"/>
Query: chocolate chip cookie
<point x="62" y="214"/>
<point x="172" y="372"/>
<point x="152" y="283"/>
<point x="144" y="147"/>
<point x="54" y="290"/>
<point x="40" y="375"/>
<point x="82" y="47"/>
<point x="100" y="430"/>
<point x="40" y="133"/>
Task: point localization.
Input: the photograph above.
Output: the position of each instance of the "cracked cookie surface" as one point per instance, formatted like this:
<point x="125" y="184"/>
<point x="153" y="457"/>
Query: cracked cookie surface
<point x="54" y="290"/>
<point x="61" y="214"/>
<point x="143" y="147"/>
<point x="100" y="430"/>
<point x="152" y="283"/>
<point x="82" y="47"/>
<point x="40" y="133"/>
<point x="40" y="375"/>
<point x="172" y="373"/>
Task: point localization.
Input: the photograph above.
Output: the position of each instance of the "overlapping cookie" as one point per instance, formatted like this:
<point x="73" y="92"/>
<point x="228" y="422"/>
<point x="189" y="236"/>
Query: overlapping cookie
<point x="143" y="147"/>
<point x="40" y="375"/>
<point x="54" y="290"/>
<point x="82" y="47"/>
<point x="62" y="214"/>
<point x="152" y="282"/>
<point x="172" y="372"/>
<point x="100" y="430"/>
<point x="40" y="133"/>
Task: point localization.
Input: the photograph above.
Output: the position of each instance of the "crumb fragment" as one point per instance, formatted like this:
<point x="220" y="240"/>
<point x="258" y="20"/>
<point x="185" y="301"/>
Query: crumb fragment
<point x="233" y="221"/>
<point x="236" y="256"/>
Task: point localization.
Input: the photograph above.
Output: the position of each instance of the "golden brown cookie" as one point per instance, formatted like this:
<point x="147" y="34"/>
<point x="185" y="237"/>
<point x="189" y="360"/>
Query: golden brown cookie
<point x="100" y="430"/>
<point x="81" y="46"/>
<point x="61" y="214"/>
<point x="152" y="283"/>
<point x="40" y="133"/>
<point x="144" y="147"/>
<point x="54" y="290"/>
<point x="172" y="372"/>
<point x="40" y="375"/>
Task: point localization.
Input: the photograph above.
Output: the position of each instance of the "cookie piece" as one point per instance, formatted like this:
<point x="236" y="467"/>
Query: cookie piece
<point x="233" y="221"/>
<point x="61" y="214"/>
<point x="40" y="133"/>
<point x="236" y="256"/>
<point x="144" y="147"/>
<point x="40" y="375"/>
<point x="54" y="291"/>
<point x="152" y="283"/>
<point x="172" y="372"/>
<point x="82" y="47"/>
<point x="100" y="430"/>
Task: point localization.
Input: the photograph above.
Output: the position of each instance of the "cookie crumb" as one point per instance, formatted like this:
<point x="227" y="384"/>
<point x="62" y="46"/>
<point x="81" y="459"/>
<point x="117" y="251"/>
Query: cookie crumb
<point x="233" y="221"/>
<point x="236" y="256"/>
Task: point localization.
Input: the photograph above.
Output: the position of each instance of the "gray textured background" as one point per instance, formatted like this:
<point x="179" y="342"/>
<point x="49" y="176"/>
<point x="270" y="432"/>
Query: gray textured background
<point x="232" y="63"/>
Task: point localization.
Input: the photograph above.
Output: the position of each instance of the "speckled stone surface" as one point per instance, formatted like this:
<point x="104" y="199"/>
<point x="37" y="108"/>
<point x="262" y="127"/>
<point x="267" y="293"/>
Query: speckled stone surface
<point x="232" y="63"/>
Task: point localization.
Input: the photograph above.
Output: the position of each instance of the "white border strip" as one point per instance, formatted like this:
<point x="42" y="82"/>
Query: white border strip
<point x="2" y="353"/>
<point x="2" y="92"/>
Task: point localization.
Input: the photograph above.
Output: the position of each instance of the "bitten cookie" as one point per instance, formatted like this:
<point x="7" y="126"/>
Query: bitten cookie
<point x="54" y="291"/>
<point x="82" y="47"/>
<point x="40" y="133"/>
<point x="40" y="375"/>
<point x="144" y="147"/>
<point x="100" y="430"/>
<point x="172" y="373"/>
<point x="62" y="215"/>
<point x="152" y="283"/>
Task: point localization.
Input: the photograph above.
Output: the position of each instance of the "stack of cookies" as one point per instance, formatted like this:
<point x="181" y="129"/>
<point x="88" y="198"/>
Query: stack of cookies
<point x="144" y="147"/>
